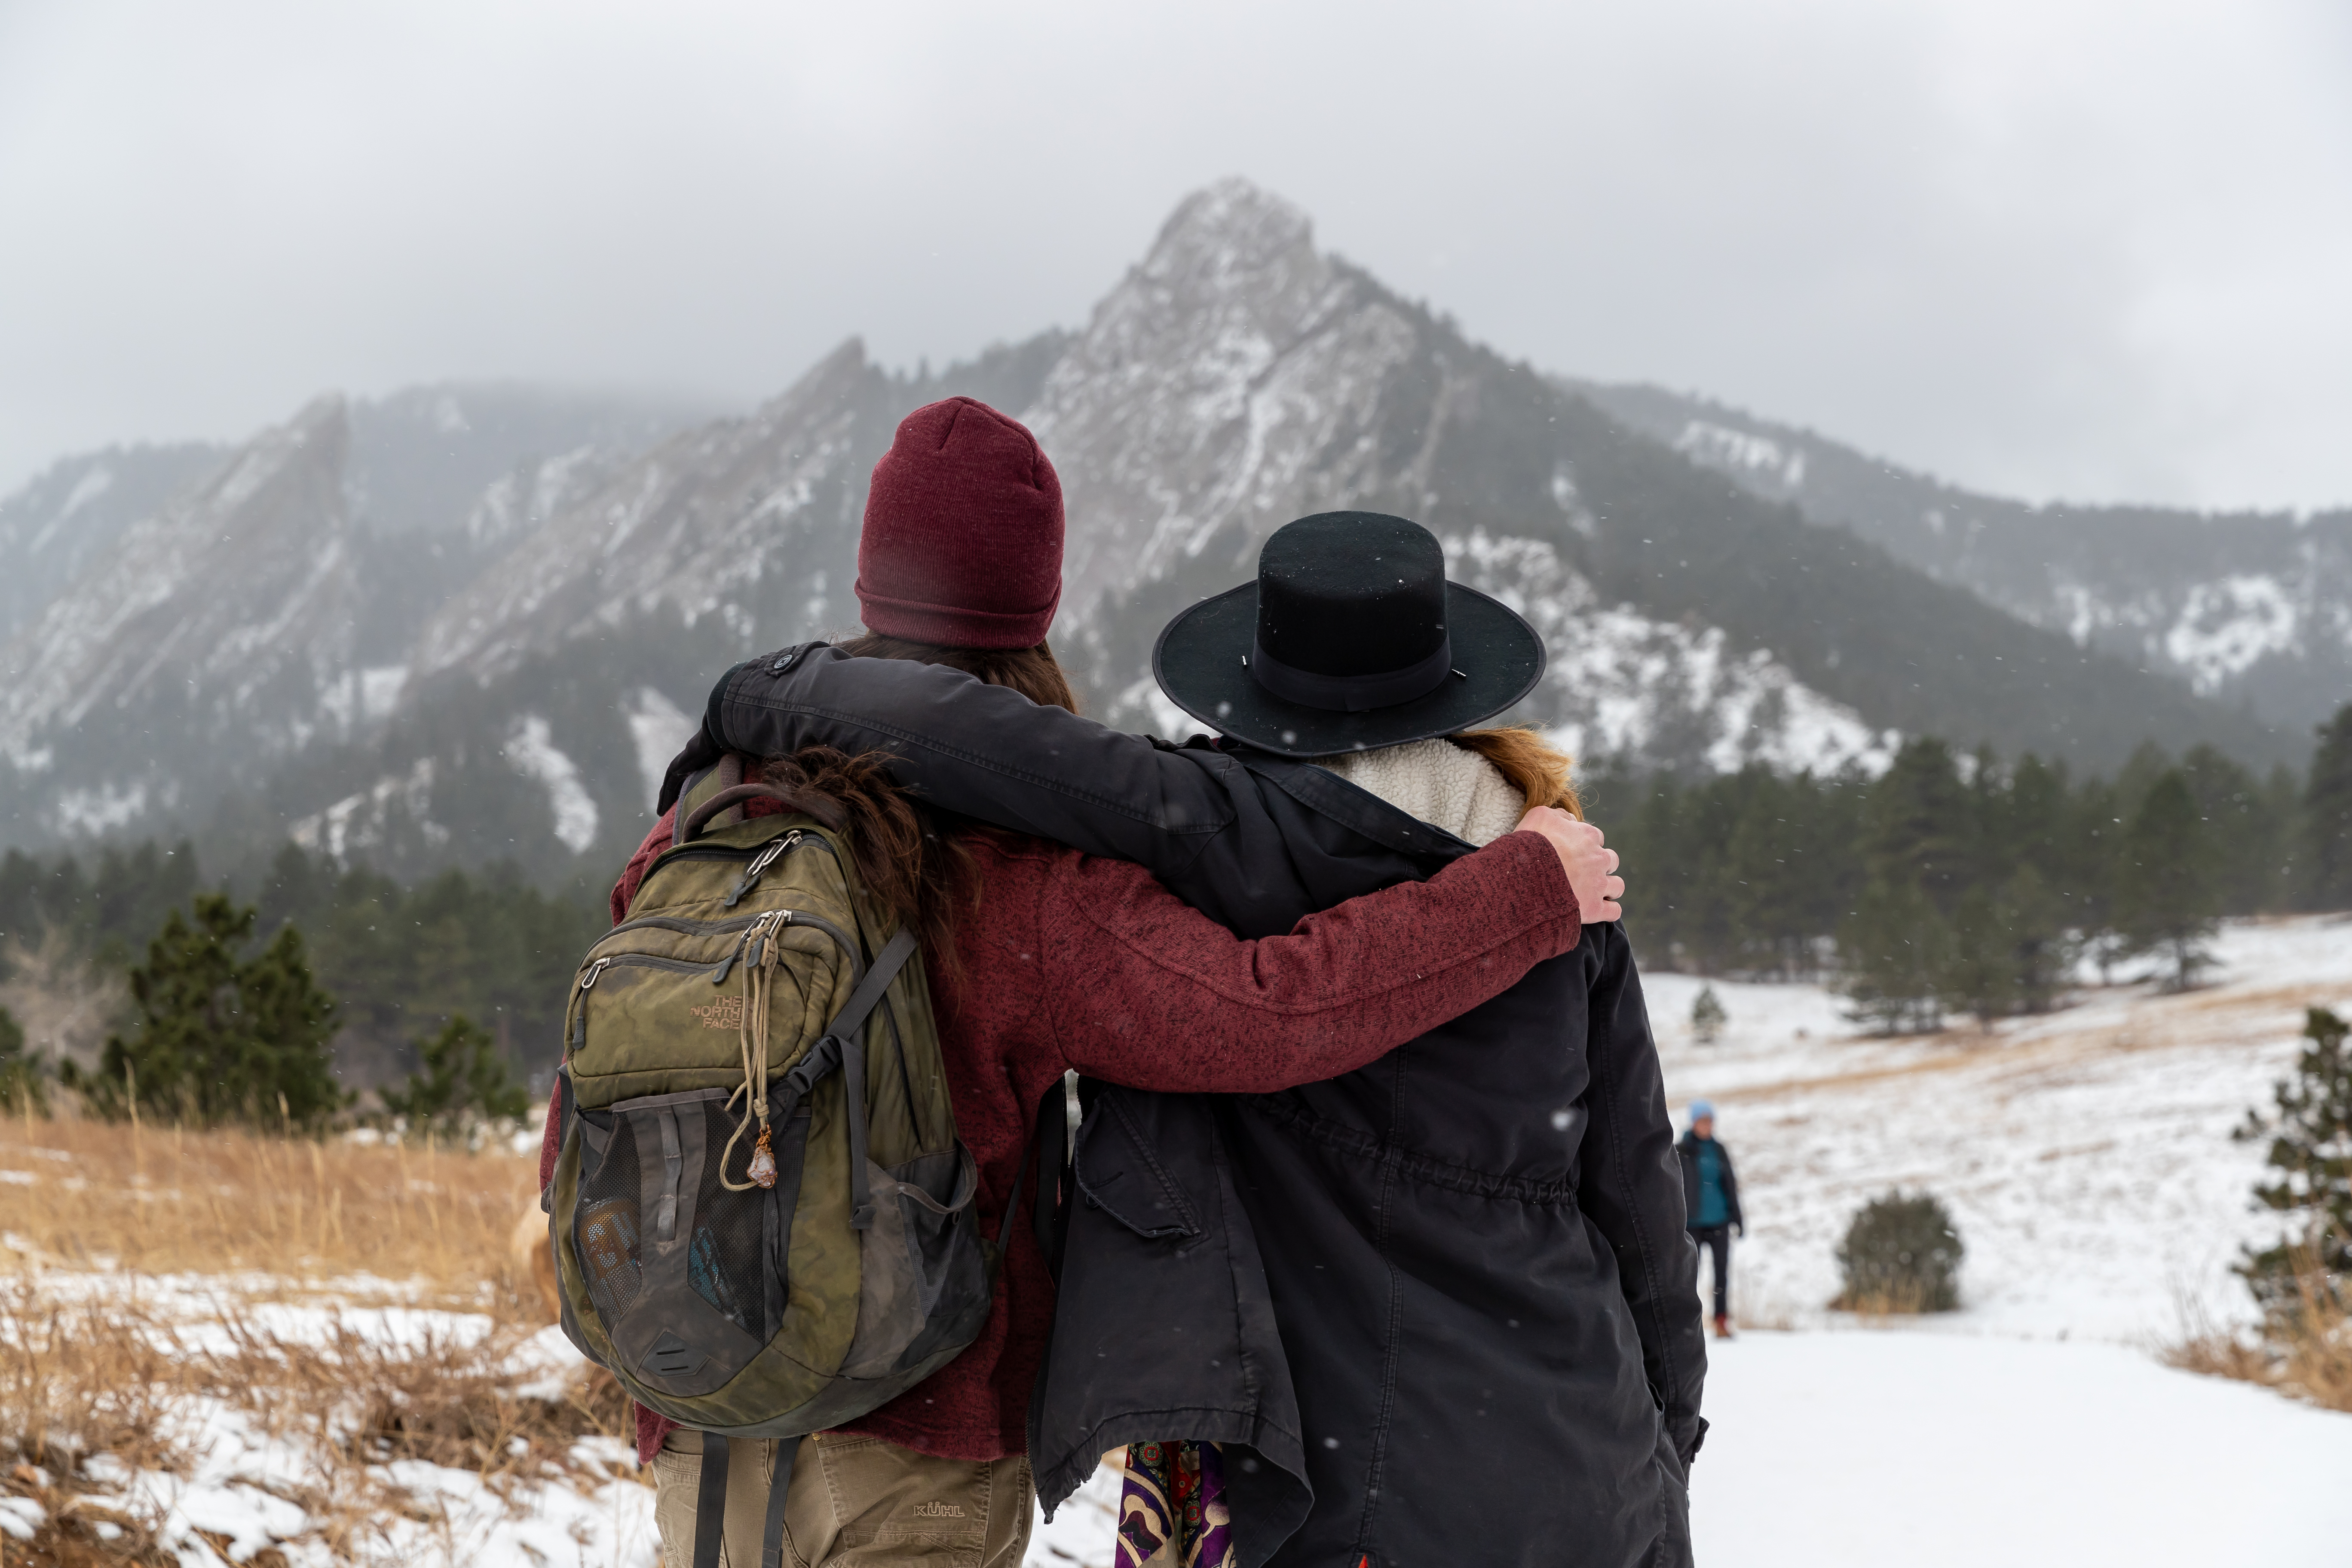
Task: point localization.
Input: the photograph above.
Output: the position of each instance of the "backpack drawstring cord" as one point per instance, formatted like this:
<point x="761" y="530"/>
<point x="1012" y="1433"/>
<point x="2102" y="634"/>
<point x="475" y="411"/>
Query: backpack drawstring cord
<point x="753" y="1036"/>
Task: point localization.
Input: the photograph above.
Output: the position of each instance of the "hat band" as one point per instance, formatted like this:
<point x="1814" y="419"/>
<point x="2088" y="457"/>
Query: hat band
<point x="1350" y="693"/>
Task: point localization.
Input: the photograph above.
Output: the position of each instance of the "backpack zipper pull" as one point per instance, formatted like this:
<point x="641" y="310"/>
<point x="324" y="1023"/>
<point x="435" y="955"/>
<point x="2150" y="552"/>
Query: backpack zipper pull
<point x="765" y="858"/>
<point x="718" y="975"/>
<point x="595" y="970"/>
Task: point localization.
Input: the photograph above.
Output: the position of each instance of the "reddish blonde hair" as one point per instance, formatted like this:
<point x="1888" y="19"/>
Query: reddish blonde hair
<point x="1546" y="776"/>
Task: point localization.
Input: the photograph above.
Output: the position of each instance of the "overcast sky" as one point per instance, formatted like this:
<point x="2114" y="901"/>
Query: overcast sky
<point x="2098" y="251"/>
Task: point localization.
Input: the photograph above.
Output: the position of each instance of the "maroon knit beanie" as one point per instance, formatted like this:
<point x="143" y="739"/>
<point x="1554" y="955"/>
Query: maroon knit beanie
<point x="963" y="545"/>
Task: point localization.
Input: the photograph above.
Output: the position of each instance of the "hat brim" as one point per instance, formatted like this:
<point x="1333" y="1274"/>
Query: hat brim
<point x="1201" y="663"/>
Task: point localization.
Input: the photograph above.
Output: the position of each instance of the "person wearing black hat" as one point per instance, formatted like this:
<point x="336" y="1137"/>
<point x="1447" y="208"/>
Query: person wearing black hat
<point x="1445" y="1307"/>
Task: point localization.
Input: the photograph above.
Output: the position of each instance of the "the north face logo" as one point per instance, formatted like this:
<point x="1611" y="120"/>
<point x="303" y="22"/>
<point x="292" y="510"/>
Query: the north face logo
<point x="726" y="1012"/>
<point x="938" y="1511"/>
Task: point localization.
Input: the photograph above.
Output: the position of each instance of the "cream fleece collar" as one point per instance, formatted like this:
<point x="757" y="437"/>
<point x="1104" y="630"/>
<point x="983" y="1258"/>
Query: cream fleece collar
<point x="1441" y="783"/>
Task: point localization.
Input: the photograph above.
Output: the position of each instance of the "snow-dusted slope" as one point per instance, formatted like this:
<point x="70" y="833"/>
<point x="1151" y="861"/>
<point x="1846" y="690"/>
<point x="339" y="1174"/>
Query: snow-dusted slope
<point x="2086" y="1154"/>
<point x="211" y="624"/>
<point x="227" y="614"/>
<point x="736" y="519"/>
<point x="2253" y="607"/>
<point x="1239" y="378"/>
<point x="75" y="511"/>
<point x="1623" y="684"/>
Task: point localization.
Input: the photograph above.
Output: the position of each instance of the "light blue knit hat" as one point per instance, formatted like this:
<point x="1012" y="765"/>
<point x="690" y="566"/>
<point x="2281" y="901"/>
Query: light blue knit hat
<point x="1701" y="1109"/>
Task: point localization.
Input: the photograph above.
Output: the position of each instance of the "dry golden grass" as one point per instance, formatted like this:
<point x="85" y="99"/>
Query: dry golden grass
<point x="288" y="1214"/>
<point x="1904" y="1299"/>
<point x="2304" y="1351"/>
<point x="96" y="1359"/>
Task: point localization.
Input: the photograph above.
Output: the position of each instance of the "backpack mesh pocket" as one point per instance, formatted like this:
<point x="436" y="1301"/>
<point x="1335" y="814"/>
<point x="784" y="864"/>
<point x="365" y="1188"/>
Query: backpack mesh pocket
<point x="735" y="1242"/>
<point x="731" y="1264"/>
<point x="605" y="1225"/>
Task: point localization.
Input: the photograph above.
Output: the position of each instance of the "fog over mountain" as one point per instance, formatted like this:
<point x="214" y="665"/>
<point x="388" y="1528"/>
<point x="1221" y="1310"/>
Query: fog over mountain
<point x="472" y="623"/>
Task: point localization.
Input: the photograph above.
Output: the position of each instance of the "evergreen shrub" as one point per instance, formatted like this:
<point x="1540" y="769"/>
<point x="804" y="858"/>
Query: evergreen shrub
<point x="1707" y="1016"/>
<point x="2310" y="1139"/>
<point x="465" y="1082"/>
<point x="1900" y="1255"/>
<point x="221" y="1036"/>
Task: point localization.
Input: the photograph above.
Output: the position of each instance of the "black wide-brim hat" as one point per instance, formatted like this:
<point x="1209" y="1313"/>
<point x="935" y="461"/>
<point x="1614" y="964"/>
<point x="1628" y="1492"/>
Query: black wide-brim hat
<point x="1350" y="638"/>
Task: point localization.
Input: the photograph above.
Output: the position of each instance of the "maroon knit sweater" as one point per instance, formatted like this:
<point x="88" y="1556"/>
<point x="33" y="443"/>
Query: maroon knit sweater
<point x="1072" y="962"/>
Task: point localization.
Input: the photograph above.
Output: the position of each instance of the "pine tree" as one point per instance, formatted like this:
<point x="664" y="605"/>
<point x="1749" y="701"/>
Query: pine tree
<point x="2168" y="886"/>
<point x="290" y="1025"/>
<point x="2311" y="1148"/>
<point x="1980" y="970"/>
<point x="1707" y="1016"/>
<point x="1923" y="826"/>
<point x="465" y="1080"/>
<point x="1892" y="950"/>
<point x="2090" y="867"/>
<point x="2041" y="949"/>
<point x="2327" y="817"/>
<point x="221" y="1037"/>
<point x="2248" y="834"/>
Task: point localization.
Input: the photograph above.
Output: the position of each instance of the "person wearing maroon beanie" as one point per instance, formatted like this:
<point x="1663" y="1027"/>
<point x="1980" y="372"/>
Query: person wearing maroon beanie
<point x="962" y="544"/>
<point x="1046" y="961"/>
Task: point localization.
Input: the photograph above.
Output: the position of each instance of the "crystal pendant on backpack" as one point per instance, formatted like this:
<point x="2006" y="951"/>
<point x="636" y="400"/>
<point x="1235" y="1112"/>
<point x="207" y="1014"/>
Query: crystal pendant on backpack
<point x="763" y="1164"/>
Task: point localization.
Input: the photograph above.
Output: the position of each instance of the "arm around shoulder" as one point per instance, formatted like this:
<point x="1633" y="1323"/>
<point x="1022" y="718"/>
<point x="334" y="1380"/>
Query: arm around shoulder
<point x="1153" y="994"/>
<point x="985" y="751"/>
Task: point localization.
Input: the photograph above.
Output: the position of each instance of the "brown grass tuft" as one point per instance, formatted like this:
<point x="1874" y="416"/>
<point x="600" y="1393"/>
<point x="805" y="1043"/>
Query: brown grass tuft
<point x="1903" y="1299"/>
<point x="2303" y="1349"/>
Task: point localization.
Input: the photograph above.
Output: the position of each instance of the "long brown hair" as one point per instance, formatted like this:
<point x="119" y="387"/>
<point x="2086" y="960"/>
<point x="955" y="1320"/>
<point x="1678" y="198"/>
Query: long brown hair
<point x="909" y="856"/>
<point x="1547" y="777"/>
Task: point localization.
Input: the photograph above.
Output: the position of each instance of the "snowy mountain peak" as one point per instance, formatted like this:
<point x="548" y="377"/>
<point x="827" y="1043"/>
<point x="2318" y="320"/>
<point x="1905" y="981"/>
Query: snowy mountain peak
<point x="1232" y="234"/>
<point x="242" y="584"/>
<point x="1229" y="380"/>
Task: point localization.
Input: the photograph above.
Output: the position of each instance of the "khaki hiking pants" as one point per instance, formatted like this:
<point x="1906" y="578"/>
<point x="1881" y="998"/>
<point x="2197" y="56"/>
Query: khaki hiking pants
<point x="856" y="1501"/>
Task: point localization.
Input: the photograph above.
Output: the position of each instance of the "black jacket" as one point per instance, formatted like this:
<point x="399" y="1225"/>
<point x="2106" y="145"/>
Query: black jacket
<point x="1466" y="1264"/>
<point x="1688" y="1148"/>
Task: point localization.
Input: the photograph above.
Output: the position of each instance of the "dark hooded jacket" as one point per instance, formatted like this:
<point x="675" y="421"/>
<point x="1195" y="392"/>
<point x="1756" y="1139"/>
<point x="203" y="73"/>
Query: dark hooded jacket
<point x="1443" y="1306"/>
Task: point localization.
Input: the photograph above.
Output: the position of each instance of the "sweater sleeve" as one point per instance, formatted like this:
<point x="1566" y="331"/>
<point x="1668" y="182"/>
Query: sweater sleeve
<point x="1148" y="992"/>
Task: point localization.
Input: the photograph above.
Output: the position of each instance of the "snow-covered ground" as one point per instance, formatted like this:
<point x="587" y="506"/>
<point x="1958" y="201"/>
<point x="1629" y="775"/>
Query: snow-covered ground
<point x="1838" y="1450"/>
<point x="2086" y="1158"/>
<point x="2085" y="1154"/>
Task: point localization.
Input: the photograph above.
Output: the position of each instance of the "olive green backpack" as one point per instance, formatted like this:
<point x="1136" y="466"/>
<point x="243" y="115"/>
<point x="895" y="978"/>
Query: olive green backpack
<point x="762" y="1214"/>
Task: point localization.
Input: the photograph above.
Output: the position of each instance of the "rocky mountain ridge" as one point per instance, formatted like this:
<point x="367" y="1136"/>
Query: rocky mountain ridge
<point x="419" y="659"/>
<point x="2252" y="607"/>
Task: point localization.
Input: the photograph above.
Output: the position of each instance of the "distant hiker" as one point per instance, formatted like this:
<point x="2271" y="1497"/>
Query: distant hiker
<point x="1711" y="1191"/>
<point x="1442" y="1308"/>
<point x="1041" y="960"/>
